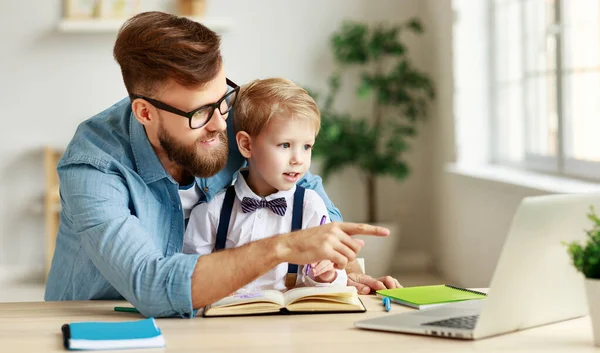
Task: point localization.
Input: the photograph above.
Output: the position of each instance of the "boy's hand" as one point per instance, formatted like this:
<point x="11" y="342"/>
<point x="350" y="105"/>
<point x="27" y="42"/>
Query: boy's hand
<point x="323" y="271"/>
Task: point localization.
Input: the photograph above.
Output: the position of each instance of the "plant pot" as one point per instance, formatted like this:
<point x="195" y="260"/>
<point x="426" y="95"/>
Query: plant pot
<point x="592" y="288"/>
<point x="379" y="252"/>
<point x="191" y="7"/>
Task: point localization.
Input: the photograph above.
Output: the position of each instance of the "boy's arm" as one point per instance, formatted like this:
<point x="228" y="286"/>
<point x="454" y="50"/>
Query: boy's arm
<point x="312" y="214"/>
<point x="341" y="278"/>
<point x="314" y="182"/>
<point x="223" y="272"/>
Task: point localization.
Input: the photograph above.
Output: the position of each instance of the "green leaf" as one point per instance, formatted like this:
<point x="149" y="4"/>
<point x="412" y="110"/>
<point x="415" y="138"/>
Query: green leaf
<point x="334" y="81"/>
<point x="415" y="25"/>
<point x="349" y="43"/>
<point x="396" y="49"/>
<point x="364" y="90"/>
<point x="586" y="255"/>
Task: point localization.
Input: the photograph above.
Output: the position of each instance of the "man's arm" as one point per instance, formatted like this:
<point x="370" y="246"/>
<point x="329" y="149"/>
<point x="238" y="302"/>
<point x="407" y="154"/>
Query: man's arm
<point x="315" y="183"/>
<point x="229" y="268"/>
<point x="120" y="247"/>
<point x="221" y="273"/>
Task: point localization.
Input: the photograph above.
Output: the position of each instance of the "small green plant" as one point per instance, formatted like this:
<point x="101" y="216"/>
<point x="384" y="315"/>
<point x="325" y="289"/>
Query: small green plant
<point x="586" y="256"/>
<point x="400" y="93"/>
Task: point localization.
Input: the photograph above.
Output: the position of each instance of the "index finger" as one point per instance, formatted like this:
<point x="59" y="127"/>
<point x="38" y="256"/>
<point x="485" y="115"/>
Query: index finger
<point x="363" y="229"/>
<point x="372" y="283"/>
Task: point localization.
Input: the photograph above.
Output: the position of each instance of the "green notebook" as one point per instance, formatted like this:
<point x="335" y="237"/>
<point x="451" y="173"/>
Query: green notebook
<point x="422" y="297"/>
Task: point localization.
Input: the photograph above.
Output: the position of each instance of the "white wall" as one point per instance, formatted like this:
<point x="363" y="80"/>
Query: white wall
<point x="472" y="235"/>
<point x="50" y="82"/>
<point x="471" y="216"/>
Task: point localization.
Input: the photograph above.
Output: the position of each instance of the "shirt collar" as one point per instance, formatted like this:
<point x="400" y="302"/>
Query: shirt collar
<point x="243" y="190"/>
<point x="148" y="165"/>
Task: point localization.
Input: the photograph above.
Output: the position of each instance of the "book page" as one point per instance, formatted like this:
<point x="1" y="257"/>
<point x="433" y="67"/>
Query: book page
<point x="332" y="293"/>
<point x="247" y="303"/>
<point x="266" y="296"/>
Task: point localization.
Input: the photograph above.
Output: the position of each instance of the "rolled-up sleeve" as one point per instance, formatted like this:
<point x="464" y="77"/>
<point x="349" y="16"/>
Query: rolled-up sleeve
<point x="314" y="182"/>
<point x="121" y="248"/>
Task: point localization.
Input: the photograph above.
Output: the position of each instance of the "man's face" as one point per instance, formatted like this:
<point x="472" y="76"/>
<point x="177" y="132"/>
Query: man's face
<point x="201" y="152"/>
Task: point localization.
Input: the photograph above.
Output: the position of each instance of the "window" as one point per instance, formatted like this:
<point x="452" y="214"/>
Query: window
<point x="546" y="85"/>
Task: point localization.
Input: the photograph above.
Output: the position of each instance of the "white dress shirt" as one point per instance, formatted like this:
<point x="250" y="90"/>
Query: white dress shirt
<point x="189" y="197"/>
<point x="201" y="233"/>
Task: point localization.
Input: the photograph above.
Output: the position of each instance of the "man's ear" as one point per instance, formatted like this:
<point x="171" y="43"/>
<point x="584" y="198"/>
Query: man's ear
<point x="244" y="142"/>
<point x="141" y="110"/>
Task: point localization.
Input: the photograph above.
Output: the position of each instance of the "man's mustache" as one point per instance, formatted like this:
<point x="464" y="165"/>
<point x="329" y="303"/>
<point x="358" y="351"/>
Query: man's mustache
<point x="212" y="135"/>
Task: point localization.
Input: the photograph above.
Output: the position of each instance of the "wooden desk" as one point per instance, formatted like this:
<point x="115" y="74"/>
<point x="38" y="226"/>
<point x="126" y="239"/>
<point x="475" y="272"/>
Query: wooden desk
<point x="35" y="327"/>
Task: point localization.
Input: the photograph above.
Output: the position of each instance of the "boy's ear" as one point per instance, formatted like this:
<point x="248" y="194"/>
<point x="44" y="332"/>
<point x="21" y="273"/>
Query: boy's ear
<point x="244" y="143"/>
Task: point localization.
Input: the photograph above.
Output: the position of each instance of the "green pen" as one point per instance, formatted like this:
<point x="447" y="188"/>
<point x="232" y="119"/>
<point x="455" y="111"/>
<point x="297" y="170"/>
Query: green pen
<point x="125" y="309"/>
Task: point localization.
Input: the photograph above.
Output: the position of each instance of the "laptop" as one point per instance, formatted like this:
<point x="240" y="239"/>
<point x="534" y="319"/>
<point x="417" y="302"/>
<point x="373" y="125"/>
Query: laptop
<point x="534" y="282"/>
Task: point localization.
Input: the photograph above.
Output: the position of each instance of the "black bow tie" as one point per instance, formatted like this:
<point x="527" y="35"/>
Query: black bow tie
<point x="278" y="206"/>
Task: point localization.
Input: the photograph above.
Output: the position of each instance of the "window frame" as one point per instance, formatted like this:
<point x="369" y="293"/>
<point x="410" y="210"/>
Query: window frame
<point x="561" y="164"/>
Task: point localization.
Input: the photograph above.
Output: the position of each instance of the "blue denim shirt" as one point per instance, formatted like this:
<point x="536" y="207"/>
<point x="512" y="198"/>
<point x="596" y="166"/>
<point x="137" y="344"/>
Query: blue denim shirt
<point x="122" y="224"/>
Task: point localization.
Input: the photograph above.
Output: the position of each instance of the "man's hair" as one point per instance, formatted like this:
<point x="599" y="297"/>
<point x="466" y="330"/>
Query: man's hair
<point x="260" y="100"/>
<point x="153" y="48"/>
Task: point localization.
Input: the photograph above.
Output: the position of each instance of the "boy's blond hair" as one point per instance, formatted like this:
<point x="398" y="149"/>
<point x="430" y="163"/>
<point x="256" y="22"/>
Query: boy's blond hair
<point x="260" y="100"/>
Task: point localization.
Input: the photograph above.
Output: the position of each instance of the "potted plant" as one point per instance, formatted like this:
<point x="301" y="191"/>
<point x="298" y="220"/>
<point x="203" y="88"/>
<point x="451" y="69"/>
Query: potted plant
<point x="586" y="259"/>
<point x="377" y="143"/>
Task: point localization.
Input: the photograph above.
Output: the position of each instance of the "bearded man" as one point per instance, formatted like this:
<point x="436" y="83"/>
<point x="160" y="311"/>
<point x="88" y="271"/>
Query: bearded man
<point x="131" y="175"/>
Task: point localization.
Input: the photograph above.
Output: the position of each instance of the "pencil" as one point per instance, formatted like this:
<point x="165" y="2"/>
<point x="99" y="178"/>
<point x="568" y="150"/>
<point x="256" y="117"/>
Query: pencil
<point x="323" y="219"/>
<point x="125" y="309"/>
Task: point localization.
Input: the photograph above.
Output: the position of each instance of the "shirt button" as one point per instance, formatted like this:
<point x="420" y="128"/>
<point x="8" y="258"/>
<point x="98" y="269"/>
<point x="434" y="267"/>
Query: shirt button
<point x="205" y="189"/>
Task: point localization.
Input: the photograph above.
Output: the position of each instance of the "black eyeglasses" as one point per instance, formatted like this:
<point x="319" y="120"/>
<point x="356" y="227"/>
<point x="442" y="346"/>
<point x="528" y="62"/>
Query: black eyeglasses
<point x="201" y="116"/>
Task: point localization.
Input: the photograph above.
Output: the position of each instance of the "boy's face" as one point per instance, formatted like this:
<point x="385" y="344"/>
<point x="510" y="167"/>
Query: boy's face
<point x="280" y="155"/>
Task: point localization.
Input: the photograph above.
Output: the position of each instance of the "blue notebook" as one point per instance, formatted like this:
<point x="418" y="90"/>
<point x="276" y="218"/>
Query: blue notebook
<point x="112" y="335"/>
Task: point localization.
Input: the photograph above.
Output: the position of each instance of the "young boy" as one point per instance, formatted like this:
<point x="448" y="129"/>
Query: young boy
<point x="276" y="123"/>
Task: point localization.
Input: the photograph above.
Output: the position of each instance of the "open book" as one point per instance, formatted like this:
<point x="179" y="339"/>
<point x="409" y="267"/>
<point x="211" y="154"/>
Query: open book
<point x="304" y="300"/>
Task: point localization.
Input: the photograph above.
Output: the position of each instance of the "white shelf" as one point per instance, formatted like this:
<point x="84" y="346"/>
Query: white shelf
<point x="217" y="24"/>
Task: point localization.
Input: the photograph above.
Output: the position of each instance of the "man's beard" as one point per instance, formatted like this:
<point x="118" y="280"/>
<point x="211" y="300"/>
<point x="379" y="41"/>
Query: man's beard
<point x="189" y="157"/>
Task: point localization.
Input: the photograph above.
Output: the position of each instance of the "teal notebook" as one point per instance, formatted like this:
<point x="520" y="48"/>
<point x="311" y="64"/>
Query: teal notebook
<point x="112" y="335"/>
<point x="422" y="297"/>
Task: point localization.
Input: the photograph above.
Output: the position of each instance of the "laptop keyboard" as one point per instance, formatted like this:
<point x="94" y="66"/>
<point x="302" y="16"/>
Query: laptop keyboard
<point x="464" y="322"/>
